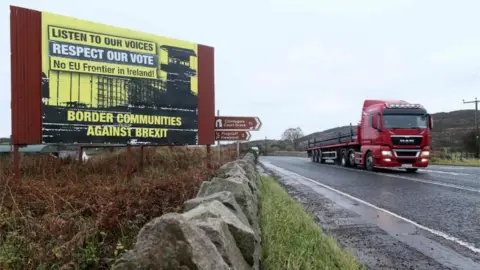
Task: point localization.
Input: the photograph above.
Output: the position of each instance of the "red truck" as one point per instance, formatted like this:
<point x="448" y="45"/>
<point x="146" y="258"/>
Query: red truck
<point x="390" y="134"/>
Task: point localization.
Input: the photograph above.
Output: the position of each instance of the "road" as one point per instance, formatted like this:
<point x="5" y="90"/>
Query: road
<point x="440" y="204"/>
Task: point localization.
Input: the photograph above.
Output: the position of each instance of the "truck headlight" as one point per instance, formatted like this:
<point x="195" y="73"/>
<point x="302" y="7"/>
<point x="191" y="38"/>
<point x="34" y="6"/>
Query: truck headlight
<point x="425" y="153"/>
<point x="387" y="153"/>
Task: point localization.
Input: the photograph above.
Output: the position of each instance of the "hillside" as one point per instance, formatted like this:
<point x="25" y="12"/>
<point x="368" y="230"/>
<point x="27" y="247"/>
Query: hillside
<point x="450" y="128"/>
<point x="448" y="131"/>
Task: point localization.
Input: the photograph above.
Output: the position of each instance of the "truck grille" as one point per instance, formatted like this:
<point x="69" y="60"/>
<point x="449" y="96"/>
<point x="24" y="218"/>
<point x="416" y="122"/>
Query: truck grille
<point x="407" y="140"/>
<point x="406" y="153"/>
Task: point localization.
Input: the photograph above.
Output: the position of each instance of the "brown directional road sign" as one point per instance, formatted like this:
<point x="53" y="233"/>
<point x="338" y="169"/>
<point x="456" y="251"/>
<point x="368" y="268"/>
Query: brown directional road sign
<point x="221" y="135"/>
<point x="237" y="123"/>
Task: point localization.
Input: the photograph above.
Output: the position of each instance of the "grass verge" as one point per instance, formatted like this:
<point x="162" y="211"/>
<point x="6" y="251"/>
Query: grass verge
<point x="68" y="215"/>
<point x="290" y="237"/>
<point x="465" y="162"/>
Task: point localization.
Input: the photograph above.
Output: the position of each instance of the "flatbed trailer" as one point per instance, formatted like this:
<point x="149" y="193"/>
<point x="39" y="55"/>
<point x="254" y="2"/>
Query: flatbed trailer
<point x="329" y="145"/>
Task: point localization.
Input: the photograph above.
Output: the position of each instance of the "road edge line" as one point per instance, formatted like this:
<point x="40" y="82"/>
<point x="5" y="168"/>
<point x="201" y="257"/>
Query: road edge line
<point x="470" y="246"/>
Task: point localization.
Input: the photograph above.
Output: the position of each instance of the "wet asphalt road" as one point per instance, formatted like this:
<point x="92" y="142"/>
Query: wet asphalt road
<point x="443" y="198"/>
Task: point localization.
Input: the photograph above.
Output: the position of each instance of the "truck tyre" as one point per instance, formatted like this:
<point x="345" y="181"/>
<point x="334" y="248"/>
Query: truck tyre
<point x="351" y="158"/>
<point x="412" y="170"/>
<point x="316" y="156"/>
<point x="312" y="156"/>
<point x="369" y="163"/>
<point x="344" y="159"/>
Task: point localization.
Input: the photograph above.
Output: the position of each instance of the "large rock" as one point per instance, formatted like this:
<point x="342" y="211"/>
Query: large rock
<point x="225" y="197"/>
<point x="217" y="230"/>
<point x="240" y="189"/>
<point x="244" y="235"/>
<point x="233" y="169"/>
<point x="250" y="158"/>
<point x="171" y="242"/>
<point x="248" y="168"/>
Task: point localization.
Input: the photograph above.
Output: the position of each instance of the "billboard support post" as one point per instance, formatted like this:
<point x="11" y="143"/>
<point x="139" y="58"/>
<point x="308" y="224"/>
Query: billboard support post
<point x="80" y="153"/>
<point x="16" y="162"/>
<point x="219" y="145"/>
<point x="209" y="156"/>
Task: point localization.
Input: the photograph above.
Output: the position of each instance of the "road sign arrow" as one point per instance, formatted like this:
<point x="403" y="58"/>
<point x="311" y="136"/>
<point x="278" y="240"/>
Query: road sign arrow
<point x="218" y="123"/>
<point x="259" y="123"/>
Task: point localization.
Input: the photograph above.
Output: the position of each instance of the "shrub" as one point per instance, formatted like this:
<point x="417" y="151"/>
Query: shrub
<point x="64" y="213"/>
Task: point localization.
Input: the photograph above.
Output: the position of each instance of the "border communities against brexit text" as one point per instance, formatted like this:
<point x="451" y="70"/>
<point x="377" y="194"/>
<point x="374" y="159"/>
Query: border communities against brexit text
<point x="119" y="124"/>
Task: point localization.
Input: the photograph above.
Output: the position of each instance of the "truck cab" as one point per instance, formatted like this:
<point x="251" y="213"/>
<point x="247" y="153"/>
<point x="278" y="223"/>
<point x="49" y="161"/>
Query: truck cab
<point x="393" y="134"/>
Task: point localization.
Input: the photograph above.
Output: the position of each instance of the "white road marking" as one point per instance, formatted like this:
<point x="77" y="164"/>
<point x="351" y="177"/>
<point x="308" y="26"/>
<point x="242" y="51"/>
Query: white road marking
<point x="413" y="179"/>
<point x="443" y="172"/>
<point x="470" y="246"/>
<point x="454" y="167"/>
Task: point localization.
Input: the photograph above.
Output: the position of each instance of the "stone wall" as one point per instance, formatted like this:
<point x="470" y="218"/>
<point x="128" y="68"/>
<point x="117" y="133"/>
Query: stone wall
<point x="290" y="153"/>
<point x="220" y="228"/>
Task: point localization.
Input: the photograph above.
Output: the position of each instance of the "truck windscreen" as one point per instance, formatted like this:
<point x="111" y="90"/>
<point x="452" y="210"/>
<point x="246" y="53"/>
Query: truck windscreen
<point x="405" y="121"/>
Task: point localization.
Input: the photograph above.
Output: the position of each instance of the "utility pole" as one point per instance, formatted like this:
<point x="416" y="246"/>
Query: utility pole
<point x="477" y="132"/>
<point x="265" y="150"/>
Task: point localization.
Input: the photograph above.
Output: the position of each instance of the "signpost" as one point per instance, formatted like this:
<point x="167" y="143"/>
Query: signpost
<point x="237" y="123"/>
<point x="235" y="128"/>
<point x="224" y="135"/>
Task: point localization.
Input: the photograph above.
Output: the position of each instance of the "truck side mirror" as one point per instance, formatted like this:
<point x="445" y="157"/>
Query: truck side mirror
<point x="430" y="122"/>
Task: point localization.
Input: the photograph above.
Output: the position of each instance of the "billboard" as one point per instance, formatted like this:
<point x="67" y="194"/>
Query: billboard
<point x="104" y="84"/>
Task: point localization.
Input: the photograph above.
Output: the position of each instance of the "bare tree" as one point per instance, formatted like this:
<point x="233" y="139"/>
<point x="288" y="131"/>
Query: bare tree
<point x="292" y="135"/>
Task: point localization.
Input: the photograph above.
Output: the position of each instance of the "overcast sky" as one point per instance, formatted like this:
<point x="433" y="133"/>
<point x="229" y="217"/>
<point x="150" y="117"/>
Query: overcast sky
<point x="306" y="63"/>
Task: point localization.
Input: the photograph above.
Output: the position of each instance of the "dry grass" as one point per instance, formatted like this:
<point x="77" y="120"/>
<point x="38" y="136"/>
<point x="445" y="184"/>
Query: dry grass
<point x="66" y="215"/>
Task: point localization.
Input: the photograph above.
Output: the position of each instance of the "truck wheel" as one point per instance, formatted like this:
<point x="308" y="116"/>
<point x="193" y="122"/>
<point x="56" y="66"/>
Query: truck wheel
<point x="351" y="158"/>
<point x="344" y="159"/>
<point x="316" y="156"/>
<point x="412" y="170"/>
<point x="369" y="165"/>
<point x="312" y="156"/>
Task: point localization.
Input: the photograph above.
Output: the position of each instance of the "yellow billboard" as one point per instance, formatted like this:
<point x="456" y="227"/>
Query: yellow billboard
<point x="99" y="81"/>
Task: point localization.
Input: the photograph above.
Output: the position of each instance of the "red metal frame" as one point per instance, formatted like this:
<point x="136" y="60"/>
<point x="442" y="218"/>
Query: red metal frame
<point x="206" y="95"/>
<point x="26" y="80"/>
